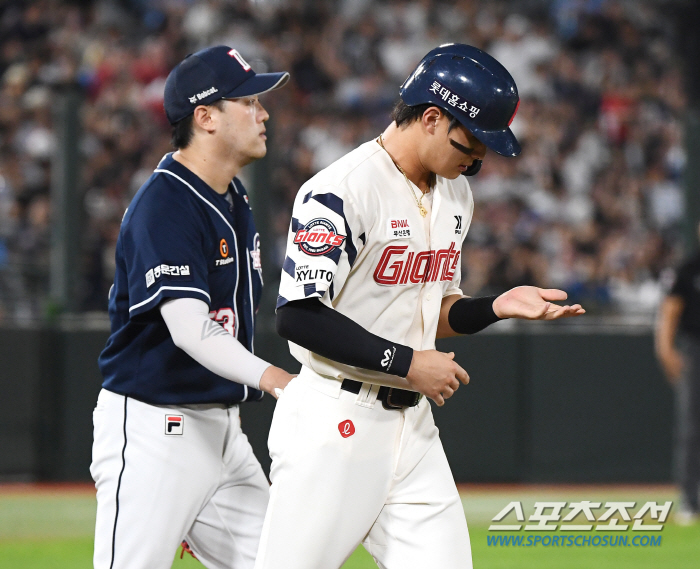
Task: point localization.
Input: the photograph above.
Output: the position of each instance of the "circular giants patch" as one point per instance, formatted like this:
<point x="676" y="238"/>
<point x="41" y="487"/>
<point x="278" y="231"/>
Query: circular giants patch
<point x="318" y="237"/>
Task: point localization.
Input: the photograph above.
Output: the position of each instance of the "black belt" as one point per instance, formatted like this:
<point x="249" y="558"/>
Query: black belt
<point x="391" y="397"/>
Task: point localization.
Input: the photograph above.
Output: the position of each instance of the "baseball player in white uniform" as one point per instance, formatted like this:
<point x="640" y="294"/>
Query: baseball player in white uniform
<point x="371" y="278"/>
<point x="170" y="461"/>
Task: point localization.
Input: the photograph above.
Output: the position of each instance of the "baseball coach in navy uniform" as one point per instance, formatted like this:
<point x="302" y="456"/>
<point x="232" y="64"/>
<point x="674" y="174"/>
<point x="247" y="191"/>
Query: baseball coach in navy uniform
<point x="170" y="461"/>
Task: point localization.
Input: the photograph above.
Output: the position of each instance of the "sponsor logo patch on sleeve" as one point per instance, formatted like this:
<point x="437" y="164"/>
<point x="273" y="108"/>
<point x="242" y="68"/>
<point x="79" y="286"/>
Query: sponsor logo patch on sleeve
<point x="304" y="274"/>
<point x="152" y="275"/>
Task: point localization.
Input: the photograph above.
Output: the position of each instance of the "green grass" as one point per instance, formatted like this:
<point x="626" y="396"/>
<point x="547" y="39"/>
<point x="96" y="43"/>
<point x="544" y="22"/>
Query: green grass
<point x="76" y="553"/>
<point x="53" y="530"/>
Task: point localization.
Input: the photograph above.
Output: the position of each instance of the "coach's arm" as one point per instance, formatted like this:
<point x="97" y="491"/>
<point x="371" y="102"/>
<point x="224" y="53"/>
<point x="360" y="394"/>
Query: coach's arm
<point x="466" y="315"/>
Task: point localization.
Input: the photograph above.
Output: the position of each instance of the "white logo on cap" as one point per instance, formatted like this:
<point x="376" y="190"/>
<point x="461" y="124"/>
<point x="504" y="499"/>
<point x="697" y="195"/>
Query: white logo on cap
<point x="239" y="58"/>
<point x="203" y="95"/>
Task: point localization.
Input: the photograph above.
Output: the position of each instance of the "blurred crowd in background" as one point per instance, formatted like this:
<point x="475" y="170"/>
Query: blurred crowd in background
<point x="593" y="205"/>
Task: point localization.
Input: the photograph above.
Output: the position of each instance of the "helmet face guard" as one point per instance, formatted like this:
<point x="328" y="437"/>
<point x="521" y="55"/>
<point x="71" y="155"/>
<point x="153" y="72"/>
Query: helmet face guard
<point x="473" y="168"/>
<point x="474" y="88"/>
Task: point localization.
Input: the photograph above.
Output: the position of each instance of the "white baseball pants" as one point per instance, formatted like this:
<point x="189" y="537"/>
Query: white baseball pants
<point x="347" y="471"/>
<point x="156" y="489"/>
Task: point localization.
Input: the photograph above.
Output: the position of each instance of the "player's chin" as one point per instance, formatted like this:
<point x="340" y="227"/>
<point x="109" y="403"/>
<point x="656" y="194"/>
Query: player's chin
<point x="259" y="151"/>
<point x="451" y="173"/>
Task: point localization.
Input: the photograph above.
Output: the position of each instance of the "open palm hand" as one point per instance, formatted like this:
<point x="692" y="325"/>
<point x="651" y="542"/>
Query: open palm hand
<point x="533" y="303"/>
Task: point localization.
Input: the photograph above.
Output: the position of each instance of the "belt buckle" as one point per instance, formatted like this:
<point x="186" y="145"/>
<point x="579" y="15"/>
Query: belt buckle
<point x="386" y="401"/>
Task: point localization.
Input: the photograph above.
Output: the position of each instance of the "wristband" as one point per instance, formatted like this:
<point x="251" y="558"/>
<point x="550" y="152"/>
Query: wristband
<point x="470" y="315"/>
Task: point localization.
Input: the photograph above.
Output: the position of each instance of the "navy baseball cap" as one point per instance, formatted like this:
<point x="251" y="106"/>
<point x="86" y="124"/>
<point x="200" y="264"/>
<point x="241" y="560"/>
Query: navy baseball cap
<point x="211" y="74"/>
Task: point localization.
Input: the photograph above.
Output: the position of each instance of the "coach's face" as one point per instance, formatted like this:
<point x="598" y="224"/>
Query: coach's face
<point x="452" y="152"/>
<point x="242" y="128"/>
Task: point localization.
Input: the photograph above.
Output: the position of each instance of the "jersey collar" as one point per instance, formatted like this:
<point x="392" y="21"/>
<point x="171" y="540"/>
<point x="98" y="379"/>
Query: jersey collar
<point x="200" y="186"/>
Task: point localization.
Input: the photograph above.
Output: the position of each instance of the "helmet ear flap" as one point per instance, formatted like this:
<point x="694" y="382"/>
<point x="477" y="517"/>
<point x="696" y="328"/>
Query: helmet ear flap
<point x="473" y="169"/>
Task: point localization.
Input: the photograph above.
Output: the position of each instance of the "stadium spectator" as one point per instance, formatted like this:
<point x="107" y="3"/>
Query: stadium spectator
<point x="593" y="204"/>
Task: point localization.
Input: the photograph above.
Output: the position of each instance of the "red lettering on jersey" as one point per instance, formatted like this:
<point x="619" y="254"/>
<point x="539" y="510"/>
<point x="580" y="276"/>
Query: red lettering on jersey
<point x="318" y="237"/>
<point x="396" y="267"/>
<point x="439" y="260"/>
<point x="346" y="429"/>
<point x="421" y="266"/>
<point x="453" y="267"/>
<point x="390" y="276"/>
<point x="399" y="223"/>
<point x="407" y="269"/>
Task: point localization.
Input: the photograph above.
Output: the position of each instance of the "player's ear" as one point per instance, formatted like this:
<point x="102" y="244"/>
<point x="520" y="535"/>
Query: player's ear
<point x="430" y="119"/>
<point x="203" y="118"/>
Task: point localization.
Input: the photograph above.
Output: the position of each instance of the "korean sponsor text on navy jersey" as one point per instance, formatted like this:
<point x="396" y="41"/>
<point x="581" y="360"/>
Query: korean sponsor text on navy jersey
<point x="180" y="239"/>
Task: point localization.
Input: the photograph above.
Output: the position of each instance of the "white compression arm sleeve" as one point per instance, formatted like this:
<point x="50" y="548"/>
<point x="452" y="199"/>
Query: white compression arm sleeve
<point x="206" y="341"/>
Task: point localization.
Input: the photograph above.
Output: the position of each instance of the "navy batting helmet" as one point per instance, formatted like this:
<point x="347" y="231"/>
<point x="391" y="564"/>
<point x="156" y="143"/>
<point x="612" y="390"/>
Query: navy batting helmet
<point x="473" y="87"/>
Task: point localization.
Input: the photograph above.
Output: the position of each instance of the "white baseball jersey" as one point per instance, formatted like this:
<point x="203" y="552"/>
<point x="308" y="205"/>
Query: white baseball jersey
<point x="358" y="242"/>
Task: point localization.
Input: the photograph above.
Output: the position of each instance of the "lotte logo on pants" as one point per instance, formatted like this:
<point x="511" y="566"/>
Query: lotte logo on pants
<point x="346" y="429"/>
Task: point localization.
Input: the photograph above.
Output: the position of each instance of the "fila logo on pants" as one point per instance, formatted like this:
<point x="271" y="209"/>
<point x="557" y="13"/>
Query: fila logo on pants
<point x="174" y="424"/>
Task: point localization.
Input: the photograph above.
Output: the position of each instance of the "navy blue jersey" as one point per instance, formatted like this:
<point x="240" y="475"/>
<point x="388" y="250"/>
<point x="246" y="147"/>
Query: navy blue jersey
<point x="180" y="239"/>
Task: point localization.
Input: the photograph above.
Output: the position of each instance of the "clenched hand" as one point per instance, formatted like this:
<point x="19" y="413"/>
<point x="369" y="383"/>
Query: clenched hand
<point x="435" y="375"/>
